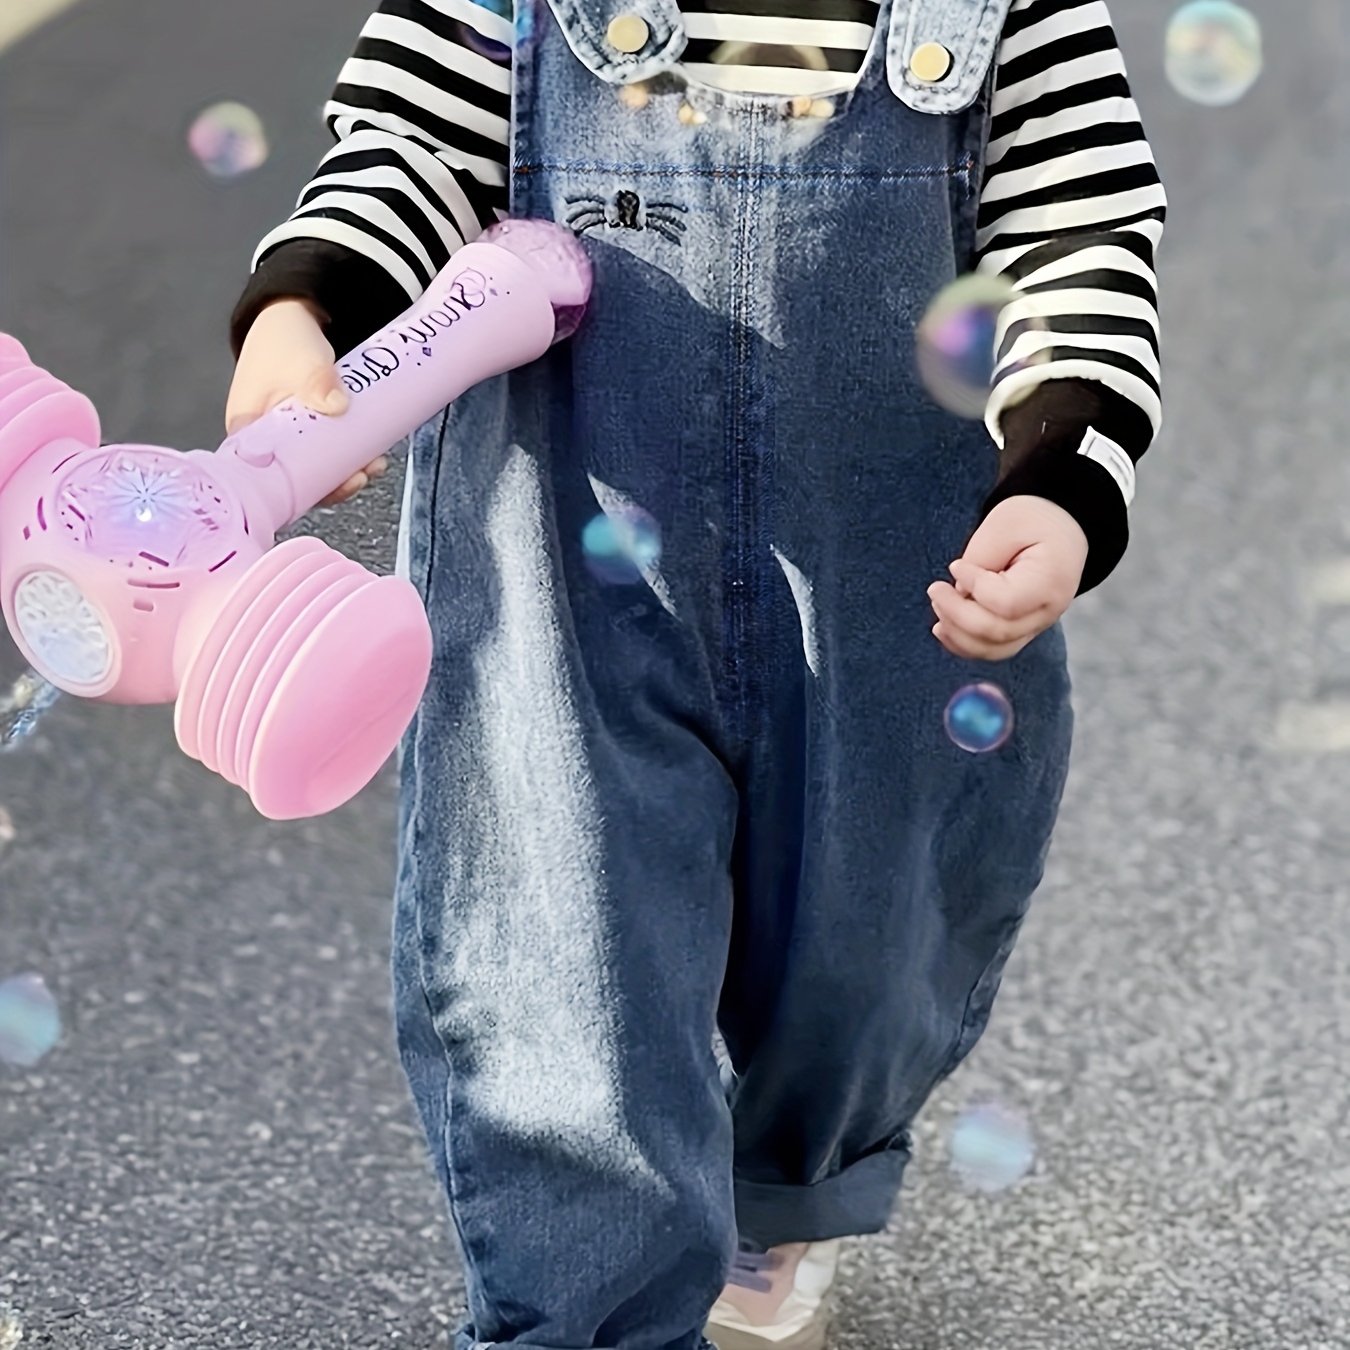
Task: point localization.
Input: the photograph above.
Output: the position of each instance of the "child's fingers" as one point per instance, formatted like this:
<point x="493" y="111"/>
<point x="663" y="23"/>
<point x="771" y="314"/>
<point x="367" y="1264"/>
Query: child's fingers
<point x="1011" y="594"/>
<point x="349" y="489"/>
<point x="973" y="649"/>
<point x="968" y="616"/>
<point x="357" y="482"/>
<point x="324" y="394"/>
<point x="242" y="410"/>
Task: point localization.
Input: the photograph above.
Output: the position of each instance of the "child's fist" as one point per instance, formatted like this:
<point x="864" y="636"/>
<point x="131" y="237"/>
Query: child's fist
<point x="1020" y="571"/>
<point x="287" y="355"/>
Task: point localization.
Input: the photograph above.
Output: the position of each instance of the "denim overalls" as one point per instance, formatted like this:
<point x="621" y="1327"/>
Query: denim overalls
<point x="715" y="792"/>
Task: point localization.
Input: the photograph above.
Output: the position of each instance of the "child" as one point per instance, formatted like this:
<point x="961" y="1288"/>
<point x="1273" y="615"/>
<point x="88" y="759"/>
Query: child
<point x="722" y="798"/>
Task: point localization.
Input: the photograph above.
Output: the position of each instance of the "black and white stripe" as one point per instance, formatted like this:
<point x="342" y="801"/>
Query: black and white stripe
<point x="1071" y="209"/>
<point x="422" y="123"/>
<point x="794" y="48"/>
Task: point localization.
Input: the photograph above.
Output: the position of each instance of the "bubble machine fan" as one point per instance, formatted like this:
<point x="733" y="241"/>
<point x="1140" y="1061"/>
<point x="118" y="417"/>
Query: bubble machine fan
<point x="140" y="574"/>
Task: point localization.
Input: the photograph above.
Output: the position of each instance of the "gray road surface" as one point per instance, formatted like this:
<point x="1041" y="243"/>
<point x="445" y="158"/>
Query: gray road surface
<point x="220" y="1152"/>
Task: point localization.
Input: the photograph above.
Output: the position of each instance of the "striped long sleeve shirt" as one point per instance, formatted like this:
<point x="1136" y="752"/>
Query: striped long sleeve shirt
<point x="1071" y="206"/>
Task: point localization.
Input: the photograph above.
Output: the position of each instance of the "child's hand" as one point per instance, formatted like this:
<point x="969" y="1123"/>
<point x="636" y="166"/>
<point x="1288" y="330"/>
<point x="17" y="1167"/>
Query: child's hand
<point x="287" y="355"/>
<point x="1020" y="571"/>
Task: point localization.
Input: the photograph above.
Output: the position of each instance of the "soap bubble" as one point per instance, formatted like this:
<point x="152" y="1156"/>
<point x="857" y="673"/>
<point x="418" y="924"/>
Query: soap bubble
<point x="519" y="15"/>
<point x="229" y="140"/>
<point x="500" y="52"/>
<point x="957" y="340"/>
<point x="796" y="56"/>
<point x="979" y="718"/>
<point x="29" y="1022"/>
<point x="1213" y="52"/>
<point x="621" y="545"/>
<point x="527" y="24"/>
<point x="22" y="707"/>
<point x="992" y="1147"/>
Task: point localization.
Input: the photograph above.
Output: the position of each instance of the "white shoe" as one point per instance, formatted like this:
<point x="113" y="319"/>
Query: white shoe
<point x="778" y="1299"/>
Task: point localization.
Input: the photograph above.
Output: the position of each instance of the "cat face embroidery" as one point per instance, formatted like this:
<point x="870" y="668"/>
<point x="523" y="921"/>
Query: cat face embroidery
<point x="627" y="211"/>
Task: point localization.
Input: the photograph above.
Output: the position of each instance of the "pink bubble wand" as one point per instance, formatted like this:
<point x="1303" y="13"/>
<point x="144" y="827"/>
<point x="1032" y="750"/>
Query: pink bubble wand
<point x="141" y="574"/>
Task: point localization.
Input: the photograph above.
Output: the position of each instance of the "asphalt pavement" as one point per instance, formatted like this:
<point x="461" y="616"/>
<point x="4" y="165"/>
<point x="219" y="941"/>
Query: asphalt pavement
<point x="220" y="1152"/>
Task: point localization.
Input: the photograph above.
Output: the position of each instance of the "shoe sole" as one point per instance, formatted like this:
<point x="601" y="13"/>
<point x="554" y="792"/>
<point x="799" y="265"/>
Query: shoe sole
<point x="812" y="1337"/>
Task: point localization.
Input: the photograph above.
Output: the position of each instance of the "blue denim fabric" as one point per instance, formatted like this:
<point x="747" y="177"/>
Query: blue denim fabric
<point x="721" y="795"/>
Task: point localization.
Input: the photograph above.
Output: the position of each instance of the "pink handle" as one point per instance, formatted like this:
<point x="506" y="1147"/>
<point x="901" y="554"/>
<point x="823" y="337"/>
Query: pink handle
<point x="495" y="307"/>
<point x="136" y="574"/>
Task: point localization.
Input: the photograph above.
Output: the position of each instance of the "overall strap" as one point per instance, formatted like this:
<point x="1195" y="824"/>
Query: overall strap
<point x="939" y="52"/>
<point x="623" y="40"/>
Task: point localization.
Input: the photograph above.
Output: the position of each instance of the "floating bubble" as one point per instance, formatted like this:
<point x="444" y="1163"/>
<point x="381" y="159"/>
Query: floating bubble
<point x="992" y="1147"/>
<point x="1214" y="52"/>
<point x="620" y="546"/>
<point x="527" y="24"/>
<point x="22" y="707"/>
<point x="979" y="718"/>
<point x="500" y="52"/>
<point x="229" y="140"/>
<point x="957" y="339"/>
<point x="771" y="55"/>
<point x="29" y="1022"/>
<point x="522" y="18"/>
<point x="11" y="1328"/>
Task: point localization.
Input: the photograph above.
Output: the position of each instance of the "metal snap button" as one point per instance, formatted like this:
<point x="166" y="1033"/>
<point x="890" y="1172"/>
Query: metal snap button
<point x="930" y="63"/>
<point x="628" y="33"/>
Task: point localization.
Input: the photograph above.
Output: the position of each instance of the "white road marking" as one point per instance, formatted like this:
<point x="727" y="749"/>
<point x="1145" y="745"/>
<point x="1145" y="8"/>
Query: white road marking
<point x="1314" y="728"/>
<point x="1324" y="727"/>
<point x="1328" y="584"/>
<point x="18" y="18"/>
<point x="1320" y="728"/>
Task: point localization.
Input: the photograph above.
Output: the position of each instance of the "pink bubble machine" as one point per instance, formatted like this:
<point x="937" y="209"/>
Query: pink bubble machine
<point x="140" y="574"/>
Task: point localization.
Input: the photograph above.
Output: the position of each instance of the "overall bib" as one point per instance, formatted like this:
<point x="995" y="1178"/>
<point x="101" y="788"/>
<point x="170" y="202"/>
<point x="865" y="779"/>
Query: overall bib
<point x="715" y="791"/>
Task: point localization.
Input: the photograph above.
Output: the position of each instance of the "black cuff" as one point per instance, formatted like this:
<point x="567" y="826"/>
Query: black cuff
<point x="357" y="296"/>
<point x="1040" y="459"/>
<point x="1087" y="492"/>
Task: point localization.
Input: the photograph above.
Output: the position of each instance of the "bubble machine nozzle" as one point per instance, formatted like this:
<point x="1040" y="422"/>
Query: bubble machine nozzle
<point x="140" y="574"/>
